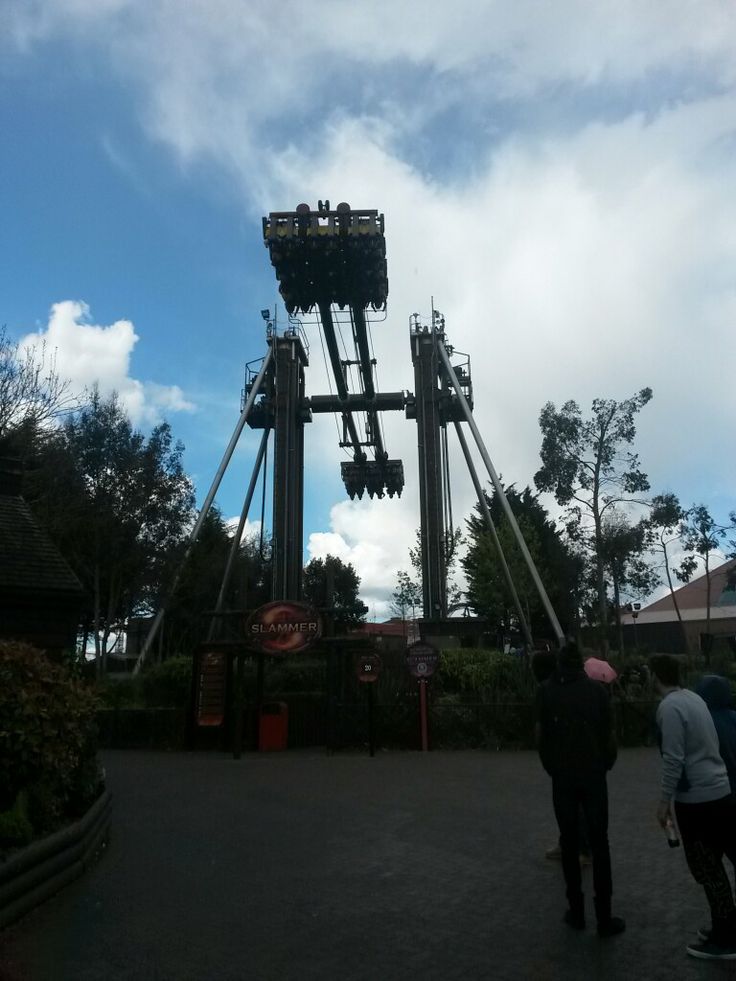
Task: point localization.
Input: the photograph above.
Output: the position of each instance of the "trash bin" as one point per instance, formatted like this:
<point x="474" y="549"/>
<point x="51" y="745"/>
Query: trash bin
<point x="273" y="726"/>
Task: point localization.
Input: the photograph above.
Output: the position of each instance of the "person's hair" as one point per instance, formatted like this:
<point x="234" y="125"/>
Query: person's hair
<point x="543" y="665"/>
<point x="666" y="668"/>
<point x="569" y="656"/>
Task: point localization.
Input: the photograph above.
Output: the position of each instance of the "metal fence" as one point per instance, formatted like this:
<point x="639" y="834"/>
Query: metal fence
<point x="313" y="721"/>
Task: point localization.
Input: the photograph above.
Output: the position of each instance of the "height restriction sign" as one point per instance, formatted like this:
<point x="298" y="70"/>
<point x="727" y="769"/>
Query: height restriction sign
<point x="422" y="659"/>
<point x="368" y="667"/>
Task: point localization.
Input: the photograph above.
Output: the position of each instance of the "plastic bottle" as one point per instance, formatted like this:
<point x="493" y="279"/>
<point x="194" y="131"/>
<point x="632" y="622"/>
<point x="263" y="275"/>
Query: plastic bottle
<point x="672" y="840"/>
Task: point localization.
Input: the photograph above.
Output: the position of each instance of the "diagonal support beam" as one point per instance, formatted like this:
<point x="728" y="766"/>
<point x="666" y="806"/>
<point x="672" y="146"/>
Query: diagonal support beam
<point x="227" y="575"/>
<point x="194" y="534"/>
<point x="452" y="378"/>
<point x="492" y="528"/>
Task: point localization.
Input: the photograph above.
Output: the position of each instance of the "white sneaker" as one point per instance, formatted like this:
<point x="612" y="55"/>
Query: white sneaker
<point x="708" y="951"/>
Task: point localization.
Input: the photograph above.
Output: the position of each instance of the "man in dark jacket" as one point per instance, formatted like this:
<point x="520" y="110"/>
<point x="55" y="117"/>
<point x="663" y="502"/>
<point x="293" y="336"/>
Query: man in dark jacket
<point x="577" y="748"/>
<point x="716" y="693"/>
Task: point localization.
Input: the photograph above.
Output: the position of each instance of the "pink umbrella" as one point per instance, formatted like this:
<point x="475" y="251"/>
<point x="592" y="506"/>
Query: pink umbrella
<point x="600" y="670"/>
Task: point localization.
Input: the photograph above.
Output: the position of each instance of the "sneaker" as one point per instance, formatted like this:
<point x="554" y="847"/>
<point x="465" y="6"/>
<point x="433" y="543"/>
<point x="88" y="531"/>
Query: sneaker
<point x="611" y="927"/>
<point x="708" y="951"/>
<point x="574" y="919"/>
<point x="553" y="853"/>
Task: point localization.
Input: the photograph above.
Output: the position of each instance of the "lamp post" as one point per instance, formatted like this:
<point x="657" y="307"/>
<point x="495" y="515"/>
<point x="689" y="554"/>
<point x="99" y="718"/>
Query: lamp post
<point x="634" y="611"/>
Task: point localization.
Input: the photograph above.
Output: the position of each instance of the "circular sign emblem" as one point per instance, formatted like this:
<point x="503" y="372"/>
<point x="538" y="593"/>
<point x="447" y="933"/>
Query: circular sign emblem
<point x="368" y="667"/>
<point x="283" y="627"/>
<point x="422" y="659"/>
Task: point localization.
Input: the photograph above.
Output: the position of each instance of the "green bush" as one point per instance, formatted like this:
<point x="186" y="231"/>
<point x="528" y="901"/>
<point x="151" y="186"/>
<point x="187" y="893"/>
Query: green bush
<point x="119" y="693"/>
<point x="47" y="737"/>
<point x="15" y="828"/>
<point x="485" y="676"/>
<point x="167" y="685"/>
<point x="296" y="675"/>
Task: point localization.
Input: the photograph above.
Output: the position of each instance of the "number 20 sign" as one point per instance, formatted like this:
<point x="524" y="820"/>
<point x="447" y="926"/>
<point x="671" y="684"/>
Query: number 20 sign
<point x="368" y="667"/>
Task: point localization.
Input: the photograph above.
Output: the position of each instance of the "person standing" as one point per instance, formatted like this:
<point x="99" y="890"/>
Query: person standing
<point x="695" y="780"/>
<point x="577" y="749"/>
<point x="716" y="693"/>
<point x="544" y="664"/>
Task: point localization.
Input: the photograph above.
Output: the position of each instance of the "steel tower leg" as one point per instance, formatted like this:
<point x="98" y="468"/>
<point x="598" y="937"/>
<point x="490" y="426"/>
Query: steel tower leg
<point x="288" y="466"/>
<point x="429" y="423"/>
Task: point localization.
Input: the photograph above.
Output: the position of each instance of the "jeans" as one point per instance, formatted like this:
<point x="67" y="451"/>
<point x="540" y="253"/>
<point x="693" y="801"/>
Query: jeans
<point x="589" y="794"/>
<point x="708" y="831"/>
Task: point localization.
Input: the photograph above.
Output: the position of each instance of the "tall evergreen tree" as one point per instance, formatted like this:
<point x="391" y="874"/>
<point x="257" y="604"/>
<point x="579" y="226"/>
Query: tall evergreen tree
<point x="556" y="563"/>
<point x="330" y="583"/>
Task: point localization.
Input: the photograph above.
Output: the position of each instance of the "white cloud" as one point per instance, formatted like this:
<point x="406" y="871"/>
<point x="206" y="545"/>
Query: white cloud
<point x="588" y="248"/>
<point x="375" y="537"/>
<point x="89" y="354"/>
<point x="251" y="530"/>
<point x="587" y="266"/>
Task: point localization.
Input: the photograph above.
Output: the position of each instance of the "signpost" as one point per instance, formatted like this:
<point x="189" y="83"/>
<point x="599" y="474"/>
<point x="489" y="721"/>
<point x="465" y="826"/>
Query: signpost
<point x="283" y="627"/>
<point x="368" y="668"/>
<point x="277" y="629"/>
<point x="422" y="660"/>
<point x="211" y="688"/>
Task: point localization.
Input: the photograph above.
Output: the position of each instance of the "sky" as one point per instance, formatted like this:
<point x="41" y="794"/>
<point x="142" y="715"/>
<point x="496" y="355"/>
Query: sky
<point x="558" y="177"/>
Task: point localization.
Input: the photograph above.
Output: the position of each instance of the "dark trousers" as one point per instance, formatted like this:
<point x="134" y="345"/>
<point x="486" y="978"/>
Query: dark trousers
<point x="708" y="832"/>
<point x="570" y="796"/>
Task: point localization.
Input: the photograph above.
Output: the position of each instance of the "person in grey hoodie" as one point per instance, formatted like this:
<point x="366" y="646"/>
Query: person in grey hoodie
<point x="695" y="781"/>
<point x="716" y="693"/>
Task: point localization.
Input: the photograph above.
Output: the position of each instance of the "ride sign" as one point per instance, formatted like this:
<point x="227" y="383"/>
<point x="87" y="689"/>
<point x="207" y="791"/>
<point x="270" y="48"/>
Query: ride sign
<point x="211" y="688"/>
<point x="422" y="659"/>
<point x="283" y="627"/>
<point x="368" y="667"/>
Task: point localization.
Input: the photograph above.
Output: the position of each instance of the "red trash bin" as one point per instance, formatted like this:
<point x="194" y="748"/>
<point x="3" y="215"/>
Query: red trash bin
<point x="273" y="726"/>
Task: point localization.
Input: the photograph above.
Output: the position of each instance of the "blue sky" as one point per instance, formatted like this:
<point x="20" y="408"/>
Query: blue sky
<point x="559" y="177"/>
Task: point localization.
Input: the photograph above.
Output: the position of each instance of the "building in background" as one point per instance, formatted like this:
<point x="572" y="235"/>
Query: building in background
<point x="656" y="627"/>
<point x="40" y="596"/>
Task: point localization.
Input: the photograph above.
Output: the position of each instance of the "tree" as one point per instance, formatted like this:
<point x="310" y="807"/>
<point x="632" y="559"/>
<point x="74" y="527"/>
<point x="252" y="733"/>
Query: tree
<point x="701" y="535"/>
<point x="407" y="597"/>
<point x="32" y="394"/>
<point x="189" y="609"/>
<point x="186" y="623"/>
<point x="624" y="545"/>
<point x="555" y="561"/>
<point x="664" y="526"/>
<point x="453" y="541"/>
<point x="588" y="468"/>
<point x="330" y="583"/>
<point x="132" y="505"/>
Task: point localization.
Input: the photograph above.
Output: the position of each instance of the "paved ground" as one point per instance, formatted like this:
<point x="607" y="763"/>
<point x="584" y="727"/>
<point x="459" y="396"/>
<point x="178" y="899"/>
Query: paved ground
<point x="299" y="866"/>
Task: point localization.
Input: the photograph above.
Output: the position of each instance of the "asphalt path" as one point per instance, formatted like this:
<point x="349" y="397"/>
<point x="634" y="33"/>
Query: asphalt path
<point x="301" y="866"/>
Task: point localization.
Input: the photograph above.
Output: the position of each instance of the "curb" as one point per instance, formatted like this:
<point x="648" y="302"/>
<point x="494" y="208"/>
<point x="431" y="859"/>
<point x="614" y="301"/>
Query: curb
<point x="33" y="875"/>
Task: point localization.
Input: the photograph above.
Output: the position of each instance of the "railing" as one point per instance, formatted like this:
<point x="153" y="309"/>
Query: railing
<point x="453" y="724"/>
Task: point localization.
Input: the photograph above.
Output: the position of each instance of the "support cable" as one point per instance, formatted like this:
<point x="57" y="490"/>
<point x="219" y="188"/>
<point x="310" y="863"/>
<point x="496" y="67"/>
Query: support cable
<point x="492" y="528"/>
<point x="263" y="509"/>
<point x="375" y="370"/>
<point x="331" y="332"/>
<point x="447" y="483"/>
<point x="498" y="486"/>
<point x="194" y="534"/>
<point x="321" y="333"/>
<point x="235" y="547"/>
<point x="360" y="387"/>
